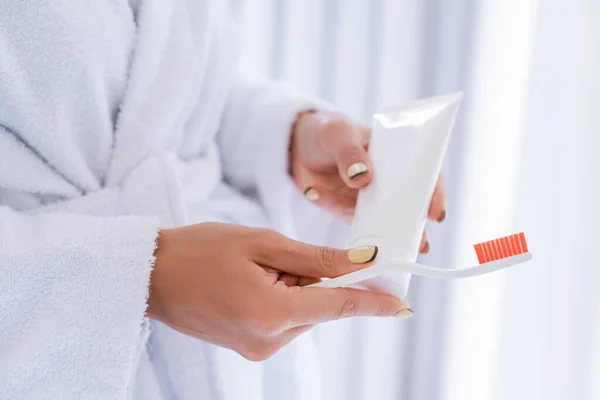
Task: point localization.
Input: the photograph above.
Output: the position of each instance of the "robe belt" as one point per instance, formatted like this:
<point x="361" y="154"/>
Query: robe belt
<point x="151" y="189"/>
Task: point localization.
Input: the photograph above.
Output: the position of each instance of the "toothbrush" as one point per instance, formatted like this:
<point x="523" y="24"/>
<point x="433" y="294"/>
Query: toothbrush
<point x="492" y="255"/>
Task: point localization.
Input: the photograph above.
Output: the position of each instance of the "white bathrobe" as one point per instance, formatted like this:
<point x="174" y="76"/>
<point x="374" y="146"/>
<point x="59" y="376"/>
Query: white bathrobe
<point x="118" y="118"/>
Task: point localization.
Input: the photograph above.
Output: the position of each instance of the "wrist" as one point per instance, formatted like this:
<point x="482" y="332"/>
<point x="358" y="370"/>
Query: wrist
<point x="153" y="310"/>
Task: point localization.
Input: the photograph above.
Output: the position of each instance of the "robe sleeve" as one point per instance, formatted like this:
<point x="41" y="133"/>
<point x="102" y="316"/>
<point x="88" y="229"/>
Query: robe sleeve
<point x="254" y="140"/>
<point x="73" y="293"/>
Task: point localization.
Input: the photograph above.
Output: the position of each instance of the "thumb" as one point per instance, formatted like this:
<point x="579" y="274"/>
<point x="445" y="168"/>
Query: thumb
<point x="316" y="305"/>
<point x="346" y="142"/>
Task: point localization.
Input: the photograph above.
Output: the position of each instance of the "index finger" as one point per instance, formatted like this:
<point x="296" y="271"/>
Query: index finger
<point x="346" y="142"/>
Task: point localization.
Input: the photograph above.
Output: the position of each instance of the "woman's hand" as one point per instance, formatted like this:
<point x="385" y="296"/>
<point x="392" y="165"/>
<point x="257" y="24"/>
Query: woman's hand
<point x="241" y="288"/>
<point x="329" y="163"/>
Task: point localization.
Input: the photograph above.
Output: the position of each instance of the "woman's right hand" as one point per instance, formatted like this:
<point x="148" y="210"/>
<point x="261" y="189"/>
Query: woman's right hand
<point x="241" y="288"/>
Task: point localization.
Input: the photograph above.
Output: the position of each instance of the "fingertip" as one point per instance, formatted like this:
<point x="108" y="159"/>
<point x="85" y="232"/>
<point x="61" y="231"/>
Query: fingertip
<point x="442" y="217"/>
<point x="424" y="241"/>
<point x="353" y="162"/>
<point x="394" y="306"/>
<point x="437" y="208"/>
<point x="312" y="194"/>
<point x="357" y="170"/>
<point x="405" y="313"/>
<point x="357" y="175"/>
<point x="363" y="254"/>
<point x="403" y="303"/>
<point x="436" y="211"/>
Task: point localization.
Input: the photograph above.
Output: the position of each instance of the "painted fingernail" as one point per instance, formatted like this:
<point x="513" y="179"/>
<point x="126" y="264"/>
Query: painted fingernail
<point x="311" y="193"/>
<point x="426" y="248"/>
<point x="406" y="313"/>
<point x="357" y="169"/>
<point x="363" y="255"/>
<point x="442" y="218"/>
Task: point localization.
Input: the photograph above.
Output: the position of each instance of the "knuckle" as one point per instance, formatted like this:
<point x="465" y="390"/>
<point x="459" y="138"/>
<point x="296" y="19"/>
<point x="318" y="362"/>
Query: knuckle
<point x="336" y="126"/>
<point x="257" y="352"/>
<point x="251" y="356"/>
<point x="325" y="257"/>
<point x="267" y="325"/>
<point x="264" y="235"/>
<point x="348" y="309"/>
<point x="270" y="326"/>
<point x="260" y="240"/>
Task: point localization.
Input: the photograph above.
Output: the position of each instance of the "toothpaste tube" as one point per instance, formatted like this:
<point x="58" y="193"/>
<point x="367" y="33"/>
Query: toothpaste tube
<point x="407" y="148"/>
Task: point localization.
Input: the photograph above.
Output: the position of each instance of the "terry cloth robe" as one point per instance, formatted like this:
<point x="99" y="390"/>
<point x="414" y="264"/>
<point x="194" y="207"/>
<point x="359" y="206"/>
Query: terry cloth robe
<point x="118" y="118"/>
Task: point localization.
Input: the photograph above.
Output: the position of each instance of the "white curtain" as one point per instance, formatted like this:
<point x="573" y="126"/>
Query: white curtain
<point x="549" y="344"/>
<point x="523" y="158"/>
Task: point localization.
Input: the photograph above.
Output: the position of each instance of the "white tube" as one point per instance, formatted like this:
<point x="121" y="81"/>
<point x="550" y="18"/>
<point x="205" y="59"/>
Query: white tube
<point x="407" y="148"/>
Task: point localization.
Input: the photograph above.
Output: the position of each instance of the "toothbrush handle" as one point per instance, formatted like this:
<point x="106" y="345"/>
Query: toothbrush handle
<point x="423" y="270"/>
<point x="380" y="269"/>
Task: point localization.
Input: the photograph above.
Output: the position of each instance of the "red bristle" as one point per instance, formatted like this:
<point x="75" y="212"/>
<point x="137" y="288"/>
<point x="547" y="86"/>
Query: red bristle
<point x="487" y="251"/>
<point x="490" y="246"/>
<point x="486" y="255"/>
<point x="518" y="242"/>
<point x="506" y="244"/>
<point x="500" y="248"/>
<point x="500" y="252"/>
<point x="503" y="247"/>
<point x="523" y="242"/>
<point x="479" y="252"/>
<point x="484" y="252"/>
<point x="483" y="256"/>
<point x="514" y="244"/>
<point x="494" y="250"/>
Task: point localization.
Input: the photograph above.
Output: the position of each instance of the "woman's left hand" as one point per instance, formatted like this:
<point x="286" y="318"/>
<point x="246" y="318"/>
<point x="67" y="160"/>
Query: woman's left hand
<point x="329" y="163"/>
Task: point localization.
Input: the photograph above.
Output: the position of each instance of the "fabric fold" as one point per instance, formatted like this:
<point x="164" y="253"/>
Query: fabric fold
<point x="73" y="328"/>
<point x="257" y="162"/>
<point x="114" y="112"/>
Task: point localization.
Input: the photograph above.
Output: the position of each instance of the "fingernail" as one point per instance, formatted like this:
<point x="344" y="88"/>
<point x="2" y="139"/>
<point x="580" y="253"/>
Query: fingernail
<point x="357" y="169"/>
<point x="426" y="248"/>
<point x="406" y="313"/>
<point x="311" y="193"/>
<point x="443" y="217"/>
<point x="363" y="255"/>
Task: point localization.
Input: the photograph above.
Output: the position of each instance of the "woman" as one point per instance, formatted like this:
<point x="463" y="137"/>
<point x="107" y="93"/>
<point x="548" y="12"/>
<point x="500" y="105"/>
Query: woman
<point x="124" y="130"/>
